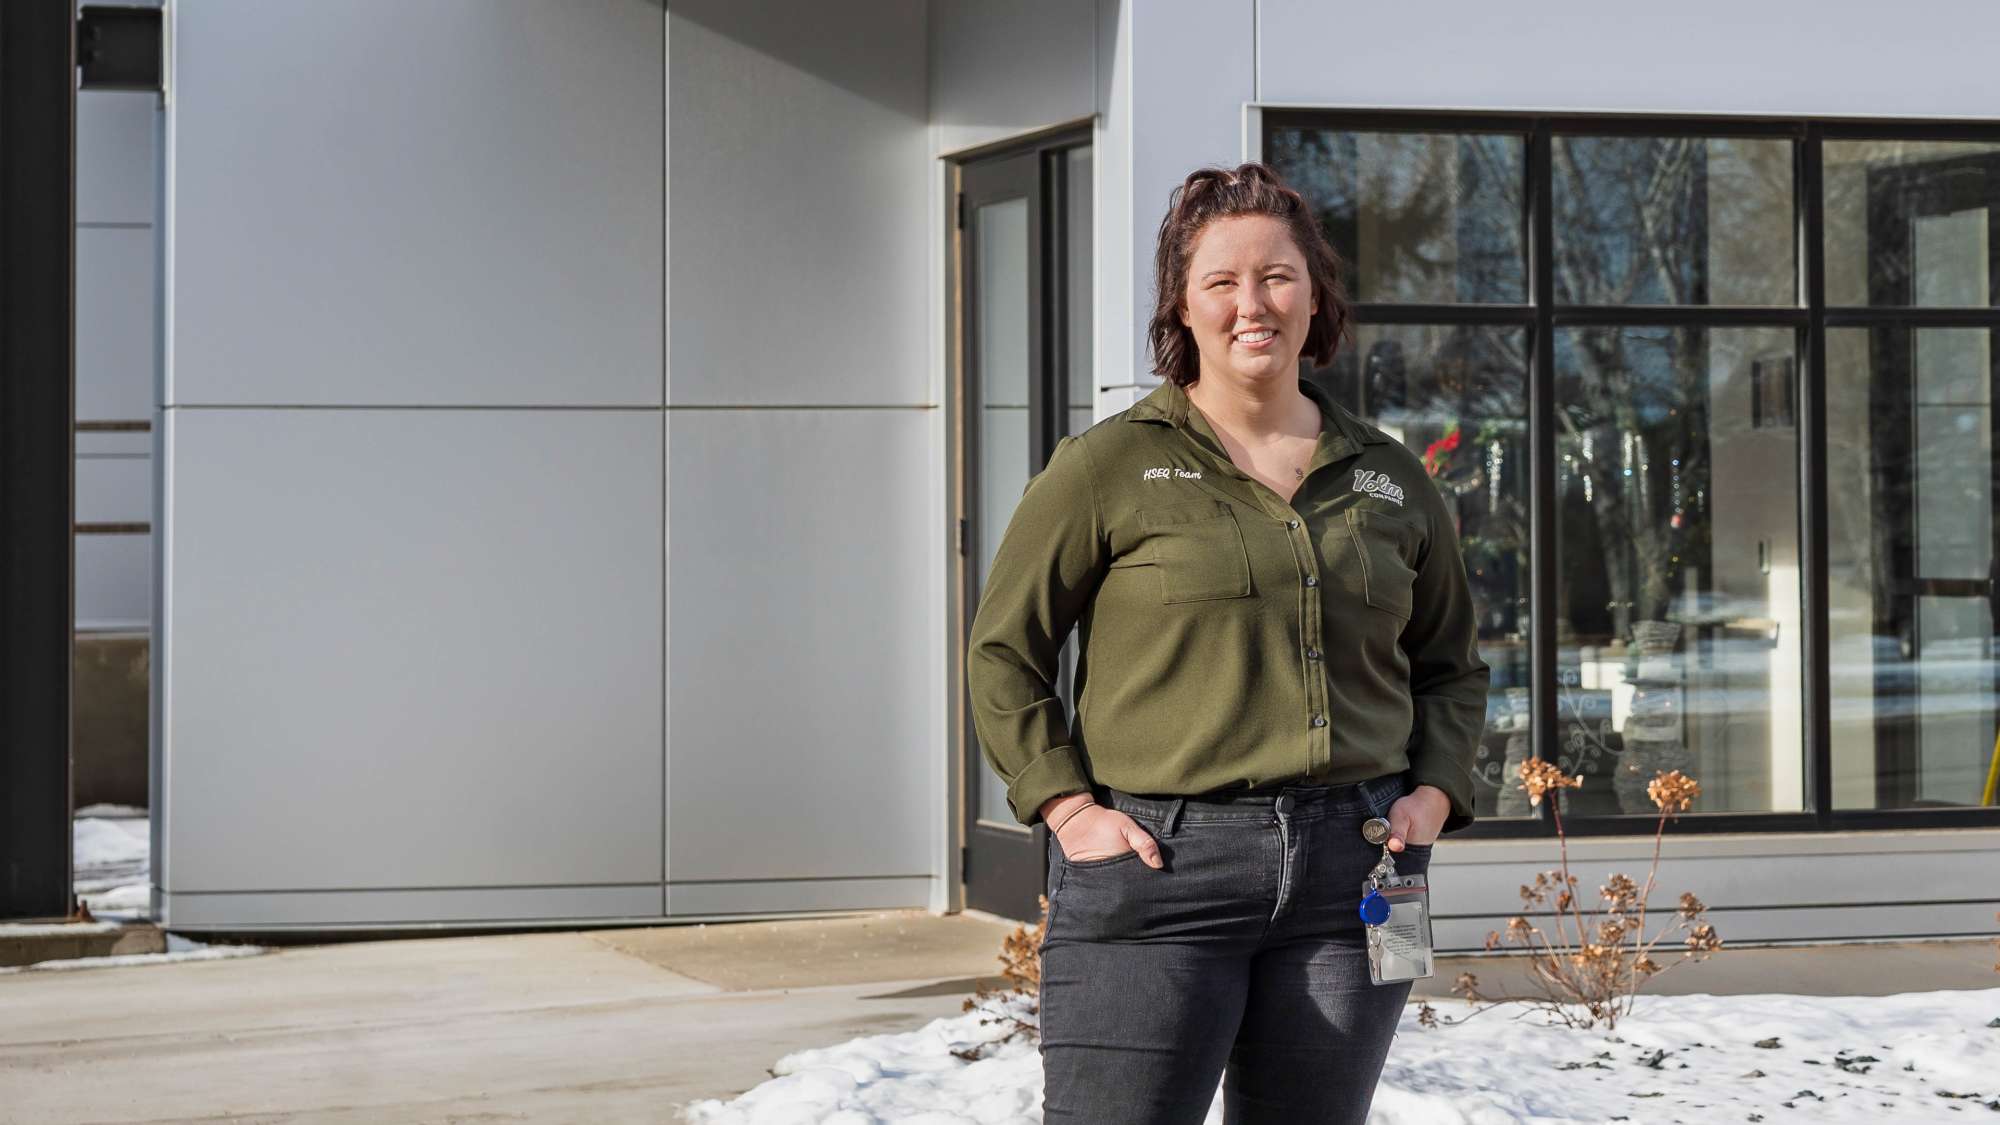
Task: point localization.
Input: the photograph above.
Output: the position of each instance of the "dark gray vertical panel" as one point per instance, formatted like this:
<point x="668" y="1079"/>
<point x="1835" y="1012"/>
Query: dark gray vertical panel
<point x="37" y="388"/>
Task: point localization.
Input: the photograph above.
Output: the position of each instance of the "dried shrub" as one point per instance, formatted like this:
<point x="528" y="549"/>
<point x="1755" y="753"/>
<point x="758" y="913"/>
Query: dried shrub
<point x="1588" y="962"/>
<point x="1021" y="967"/>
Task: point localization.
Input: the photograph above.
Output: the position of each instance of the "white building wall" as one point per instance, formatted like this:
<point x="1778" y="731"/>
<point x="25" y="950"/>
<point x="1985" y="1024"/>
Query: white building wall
<point x="1707" y="56"/>
<point x="1002" y="71"/>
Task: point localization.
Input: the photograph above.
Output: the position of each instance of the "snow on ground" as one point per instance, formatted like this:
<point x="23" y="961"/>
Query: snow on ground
<point x="1917" y="1057"/>
<point x="114" y="860"/>
<point x="178" y="949"/>
<point x="113" y="875"/>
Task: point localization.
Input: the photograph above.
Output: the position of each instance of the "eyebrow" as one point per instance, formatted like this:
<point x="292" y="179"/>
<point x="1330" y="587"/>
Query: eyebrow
<point x="1265" y="266"/>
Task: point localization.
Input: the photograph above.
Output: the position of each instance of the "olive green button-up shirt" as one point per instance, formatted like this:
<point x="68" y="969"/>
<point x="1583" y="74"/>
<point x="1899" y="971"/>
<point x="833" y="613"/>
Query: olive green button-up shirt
<point x="1227" y="638"/>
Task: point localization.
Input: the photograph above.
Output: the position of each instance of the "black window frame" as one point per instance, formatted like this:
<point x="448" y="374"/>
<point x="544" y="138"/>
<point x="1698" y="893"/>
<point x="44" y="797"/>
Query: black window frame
<point x="1809" y="318"/>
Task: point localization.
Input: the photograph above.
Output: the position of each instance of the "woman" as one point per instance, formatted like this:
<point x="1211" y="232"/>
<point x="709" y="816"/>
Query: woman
<point x="1277" y="644"/>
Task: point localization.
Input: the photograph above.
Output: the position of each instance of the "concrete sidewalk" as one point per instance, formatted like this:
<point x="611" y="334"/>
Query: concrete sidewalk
<point x="580" y="1026"/>
<point x="591" y="1026"/>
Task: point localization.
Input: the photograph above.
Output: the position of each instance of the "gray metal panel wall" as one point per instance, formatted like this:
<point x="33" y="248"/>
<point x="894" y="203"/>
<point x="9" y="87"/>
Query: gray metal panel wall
<point x="413" y="463"/>
<point x="801" y="680"/>
<point x="800" y="212"/>
<point x="413" y="649"/>
<point x="453" y="202"/>
<point x="804" y="452"/>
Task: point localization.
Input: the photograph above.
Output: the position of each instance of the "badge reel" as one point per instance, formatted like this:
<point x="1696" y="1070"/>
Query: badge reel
<point x="1396" y="910"/>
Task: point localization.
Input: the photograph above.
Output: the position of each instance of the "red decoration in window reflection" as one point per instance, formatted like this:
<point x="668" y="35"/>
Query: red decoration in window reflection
<point x="1437" y="452"/>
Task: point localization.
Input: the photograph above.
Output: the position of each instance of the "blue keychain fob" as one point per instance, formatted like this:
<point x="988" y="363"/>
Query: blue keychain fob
<point x="1374" y="908"/>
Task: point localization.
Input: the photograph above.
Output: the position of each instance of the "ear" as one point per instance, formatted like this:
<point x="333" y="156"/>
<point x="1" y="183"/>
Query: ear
<point x="1182" y="309"/>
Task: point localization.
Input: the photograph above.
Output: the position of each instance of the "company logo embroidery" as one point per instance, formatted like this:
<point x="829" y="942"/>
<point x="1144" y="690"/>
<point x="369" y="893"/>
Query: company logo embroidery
<point x="1372" y="483"/>
<point x="1163" y="473"/>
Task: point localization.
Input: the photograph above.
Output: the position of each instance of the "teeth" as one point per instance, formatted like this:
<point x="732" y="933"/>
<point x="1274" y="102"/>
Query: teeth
<point x="1255" y="337"/>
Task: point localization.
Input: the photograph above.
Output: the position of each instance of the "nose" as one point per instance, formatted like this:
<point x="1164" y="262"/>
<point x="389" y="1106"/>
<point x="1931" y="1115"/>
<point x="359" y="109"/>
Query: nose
<point x="1249" y="301"/>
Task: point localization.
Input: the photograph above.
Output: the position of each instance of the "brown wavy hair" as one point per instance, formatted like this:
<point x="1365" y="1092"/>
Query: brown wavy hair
<point x="1215" y="193"/>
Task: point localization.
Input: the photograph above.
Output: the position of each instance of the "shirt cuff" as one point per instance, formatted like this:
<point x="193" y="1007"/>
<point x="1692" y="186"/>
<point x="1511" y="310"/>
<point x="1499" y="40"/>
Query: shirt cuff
<point x="1054" y="774"/>
<point x="1456" y="784"/>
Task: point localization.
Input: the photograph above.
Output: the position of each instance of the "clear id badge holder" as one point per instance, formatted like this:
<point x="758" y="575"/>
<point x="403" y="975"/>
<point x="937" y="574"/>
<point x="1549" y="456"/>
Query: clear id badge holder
<point x="1396" y="911"/>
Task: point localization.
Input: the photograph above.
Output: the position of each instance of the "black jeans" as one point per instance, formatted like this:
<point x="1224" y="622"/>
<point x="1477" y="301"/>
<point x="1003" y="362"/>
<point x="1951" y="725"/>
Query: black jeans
<point x="1241" y="961"/>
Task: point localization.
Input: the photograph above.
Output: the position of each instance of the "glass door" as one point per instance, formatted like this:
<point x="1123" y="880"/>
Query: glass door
<point x="1024" y="381"/>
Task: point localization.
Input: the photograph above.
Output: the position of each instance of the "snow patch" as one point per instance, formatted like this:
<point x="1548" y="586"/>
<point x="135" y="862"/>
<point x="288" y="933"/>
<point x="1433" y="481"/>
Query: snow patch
<point x="1924" y="1056"/>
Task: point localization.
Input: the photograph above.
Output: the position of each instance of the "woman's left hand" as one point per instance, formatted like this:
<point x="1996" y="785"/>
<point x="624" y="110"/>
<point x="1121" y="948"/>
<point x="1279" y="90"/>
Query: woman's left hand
<point x="1417" y="818"/>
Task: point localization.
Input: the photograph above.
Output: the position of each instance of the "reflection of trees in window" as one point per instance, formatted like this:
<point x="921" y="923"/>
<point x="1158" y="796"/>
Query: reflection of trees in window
<point x="1432" y="218"/>
<point x="1633" y="454"/>
<point x="1682" y="221"/>
<point x="1631" y="220"/>
<point x="1673" y="221"/>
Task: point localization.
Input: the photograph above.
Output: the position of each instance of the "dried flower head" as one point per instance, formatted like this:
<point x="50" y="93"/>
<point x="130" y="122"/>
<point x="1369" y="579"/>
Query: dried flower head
<point x="1538" y="777"/>
<point x="1426" y="1015"/>
<point x="1673" y="791"/>
<point x="1704" y="939"/>
<point x="1621" y="892"/>
<point x="1645" y="966"/>
<point x="1690" y="905"/>
<point x="1518" y="928"/>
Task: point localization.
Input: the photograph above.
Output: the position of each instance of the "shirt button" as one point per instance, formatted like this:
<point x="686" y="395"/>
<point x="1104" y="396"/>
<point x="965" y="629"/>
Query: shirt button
<point x="1293" y="524"/>
<point x="1311" y="581"/>
<point x="1284" y="803"/>
<point x="1319" y="720"/>
<point x="1312" y="654"/>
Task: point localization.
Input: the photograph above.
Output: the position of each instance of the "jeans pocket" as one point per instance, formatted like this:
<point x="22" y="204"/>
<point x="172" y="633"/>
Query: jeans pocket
<point x="1381" y="792"/>
<point x="1106" y="861"/>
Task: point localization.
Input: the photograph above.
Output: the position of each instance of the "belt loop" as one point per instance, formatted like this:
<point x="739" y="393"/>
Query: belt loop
<point x="1173" y="816"/>
<point x="1381" y="792"/>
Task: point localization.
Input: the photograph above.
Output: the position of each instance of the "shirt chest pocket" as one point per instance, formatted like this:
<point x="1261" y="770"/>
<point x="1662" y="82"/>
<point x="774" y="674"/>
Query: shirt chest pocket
<point x="1382" y="544"/>
<point x="1197" y="550"/>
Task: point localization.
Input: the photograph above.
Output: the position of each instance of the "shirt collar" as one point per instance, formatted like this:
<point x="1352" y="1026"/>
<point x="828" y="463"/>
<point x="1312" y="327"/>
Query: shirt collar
<point x="1168" y="403"/>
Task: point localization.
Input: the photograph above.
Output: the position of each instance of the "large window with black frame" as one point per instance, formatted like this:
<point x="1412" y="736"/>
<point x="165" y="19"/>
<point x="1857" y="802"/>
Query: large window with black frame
<point x="1713" y="400"/>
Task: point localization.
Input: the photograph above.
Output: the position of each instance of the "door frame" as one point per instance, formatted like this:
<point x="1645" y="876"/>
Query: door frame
<point x="1011" y="878"/>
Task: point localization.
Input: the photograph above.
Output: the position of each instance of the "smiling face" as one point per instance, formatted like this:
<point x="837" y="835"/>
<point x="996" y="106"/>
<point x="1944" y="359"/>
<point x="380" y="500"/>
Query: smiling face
<point x="1249" y="300"/>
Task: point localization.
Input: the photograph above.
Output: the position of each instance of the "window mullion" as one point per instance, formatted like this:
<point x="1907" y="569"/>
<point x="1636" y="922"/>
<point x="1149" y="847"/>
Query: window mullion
<point x="1811" y="205"/>
<point x="1542" y="450"/>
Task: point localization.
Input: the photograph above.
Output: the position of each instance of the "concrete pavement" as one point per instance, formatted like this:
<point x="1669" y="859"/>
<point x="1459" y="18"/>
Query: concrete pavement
<point x="586" y="1026"/>
<point x="595" y="1026"/>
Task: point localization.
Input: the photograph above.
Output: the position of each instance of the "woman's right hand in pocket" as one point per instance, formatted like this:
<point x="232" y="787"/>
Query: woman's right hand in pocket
<point x="1099" y="832"/>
